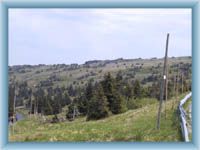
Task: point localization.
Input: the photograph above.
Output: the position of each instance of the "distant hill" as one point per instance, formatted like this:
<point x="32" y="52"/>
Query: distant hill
<point x="78" y="75"/>
<point x="105" y="95"/>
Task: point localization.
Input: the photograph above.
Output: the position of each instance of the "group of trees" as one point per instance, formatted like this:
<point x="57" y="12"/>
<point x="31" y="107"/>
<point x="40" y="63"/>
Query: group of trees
<point x="113" y="95"/>
<point x="49" y="101"/>
<point x="106" y="97"/>
<point x="96" y="100"/>
<point x="37" y="99"/>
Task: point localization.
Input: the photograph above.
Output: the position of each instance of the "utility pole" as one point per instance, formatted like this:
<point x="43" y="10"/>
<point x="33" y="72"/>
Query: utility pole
<point x="31" y="97"/>
<point x="162" y="84"/>
<point x="74" y="112"/>
<point x="35" y="99"/>
<point x="14" y="100"/>
<point x="182" y="82"/>
<point x="177" y="82"/>
<point x="166" y="88"/>
<point x="14" y="111"/>
<point x="174" y="92"/>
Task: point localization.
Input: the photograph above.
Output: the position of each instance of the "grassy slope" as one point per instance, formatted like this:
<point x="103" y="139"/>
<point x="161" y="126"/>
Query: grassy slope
<point x="34" y="78"/>
<point x="134" y="125"/>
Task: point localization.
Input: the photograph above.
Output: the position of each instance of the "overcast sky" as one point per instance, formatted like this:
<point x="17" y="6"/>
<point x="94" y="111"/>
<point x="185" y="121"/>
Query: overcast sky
<point x="55" y="36"/>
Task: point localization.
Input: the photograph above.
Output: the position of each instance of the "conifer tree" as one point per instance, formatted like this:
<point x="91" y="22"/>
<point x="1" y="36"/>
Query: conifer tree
<point x="119" y="104"/>
<point x="48" y="110"/>
<point x="89" y="90"/>
<point x="97" y="107"/>
<point x="108" y="88"/>
<point x="83" y="104"/>
<point x="116" y="102"/>
<point x="137" y="89"/>
<point x="119" y="82"/>
<point x="128" y="91"/>
<point x="65" y="99"/>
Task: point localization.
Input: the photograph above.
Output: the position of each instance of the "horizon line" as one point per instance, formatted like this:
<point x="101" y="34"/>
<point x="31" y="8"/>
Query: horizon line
<point x="98" y="60"/>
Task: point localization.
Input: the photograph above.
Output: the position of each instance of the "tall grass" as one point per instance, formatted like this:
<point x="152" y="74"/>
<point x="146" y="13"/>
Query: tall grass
<point x="133" y="125"/>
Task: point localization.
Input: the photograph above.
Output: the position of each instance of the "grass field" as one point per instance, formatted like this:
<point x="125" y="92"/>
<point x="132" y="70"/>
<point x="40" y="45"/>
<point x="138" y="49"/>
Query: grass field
<point x="134" y="125"/>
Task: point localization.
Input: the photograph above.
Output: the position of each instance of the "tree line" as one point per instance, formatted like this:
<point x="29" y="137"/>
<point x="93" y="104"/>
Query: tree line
<point x="112" y="95"/>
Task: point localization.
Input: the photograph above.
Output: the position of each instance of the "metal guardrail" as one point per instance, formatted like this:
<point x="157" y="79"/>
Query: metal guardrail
<point x="183" y="114"/>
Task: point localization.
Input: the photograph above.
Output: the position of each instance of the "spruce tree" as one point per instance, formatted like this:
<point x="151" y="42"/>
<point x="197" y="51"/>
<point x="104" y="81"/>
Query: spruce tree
<point x="85" y="98"/>
<point x="40" y="97"/>
<point x="119" y="82"/>
<point x="119" y="104"/>
<point x="66" y="100"/>
<point x="137" y="89"/>
<point x="48" y="110"/>
<point x="89" y="90"/>
<point x="97" y="107"/>
<point x="116" y="102"/>
<point x="82" y="104"/>
<point x="108" y="88"/>
<point x="128" y="91"/>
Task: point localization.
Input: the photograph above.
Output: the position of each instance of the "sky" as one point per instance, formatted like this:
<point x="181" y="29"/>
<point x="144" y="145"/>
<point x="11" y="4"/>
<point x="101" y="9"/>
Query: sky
<point x="56" y="36"/>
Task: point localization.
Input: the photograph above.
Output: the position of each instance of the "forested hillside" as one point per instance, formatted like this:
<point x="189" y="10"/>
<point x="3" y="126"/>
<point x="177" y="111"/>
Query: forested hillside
<point x="96" y="89"/>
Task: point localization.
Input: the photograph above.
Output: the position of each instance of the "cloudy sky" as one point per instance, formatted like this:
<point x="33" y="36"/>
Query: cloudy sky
<point x="55" y="36"/>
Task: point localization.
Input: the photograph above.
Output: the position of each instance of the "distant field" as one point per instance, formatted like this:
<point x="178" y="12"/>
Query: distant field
<point x="134" y="125"/>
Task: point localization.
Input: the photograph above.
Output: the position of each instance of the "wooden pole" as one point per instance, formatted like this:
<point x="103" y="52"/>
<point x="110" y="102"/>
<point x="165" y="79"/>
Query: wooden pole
<point x="182" y="82"/>
<point x="13" y="128"/>
<point x="162" y="85"/>
<point x="166" y="89"/>
<point x="14" y="109"/>
<point x="31" y="105"/>
<point x="177" y="82"/>
<point x="174" y="92"/>
<point x="14" y="100"/>
<point x="74" y="113"/>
